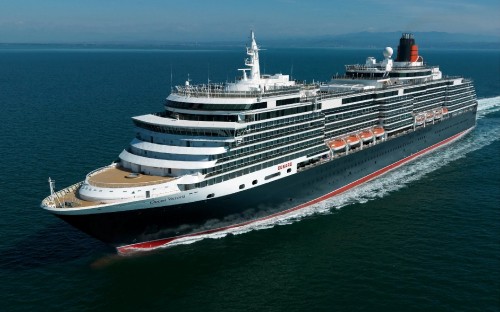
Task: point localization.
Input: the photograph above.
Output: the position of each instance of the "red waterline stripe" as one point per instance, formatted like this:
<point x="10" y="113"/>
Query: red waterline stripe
<point x="144" y="246"/>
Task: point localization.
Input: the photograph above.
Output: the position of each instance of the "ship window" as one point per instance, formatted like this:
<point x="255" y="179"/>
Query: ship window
<point x="254" y="182"/>
<point x="234" y="107"/>
<point x="287" y="101"/>
<point x="210" y="195"/>
<point x="272" y="175"/>
<point x="242" y="186"/>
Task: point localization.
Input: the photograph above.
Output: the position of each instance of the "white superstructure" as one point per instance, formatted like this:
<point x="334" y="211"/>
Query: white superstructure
<point x="221" y="150"/>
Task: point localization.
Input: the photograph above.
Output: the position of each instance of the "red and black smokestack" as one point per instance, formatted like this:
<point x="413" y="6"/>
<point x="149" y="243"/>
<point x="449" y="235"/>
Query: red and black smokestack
<point x="407" y="49"/>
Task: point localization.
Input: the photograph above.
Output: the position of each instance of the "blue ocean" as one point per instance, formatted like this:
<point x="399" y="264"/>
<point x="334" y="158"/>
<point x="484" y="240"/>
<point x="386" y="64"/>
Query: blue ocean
<point x="425" y="237"/>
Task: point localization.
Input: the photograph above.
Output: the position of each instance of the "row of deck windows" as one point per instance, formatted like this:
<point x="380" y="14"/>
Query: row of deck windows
<point x="186" y="131"/>
<point x="391" y="106"/>
<point x="429" y="86"/>
<point x="284" y="121"/>
<point x="460" y="105"/>
<point x="407" y="110"/>
<point x="430" y="92"/>
<point x="391" y="120"/>
<point x="425" y="102"/>
<point x="403" y="123"/>
<point x="257" y="147"/>
<point x="357" y="127"/>
<point x="283" y="131"/>
<point x="370" y="96"/>
<point x="260" y="157"/>
<point x="282" y="112"/>
<point x="349" y="108"/>
<point x="364" y="111"/>
<point x="274" y="162"/>
<point x="338" y="125"/>
<point x="216" y="107"/>
<point x="200" y="117"/>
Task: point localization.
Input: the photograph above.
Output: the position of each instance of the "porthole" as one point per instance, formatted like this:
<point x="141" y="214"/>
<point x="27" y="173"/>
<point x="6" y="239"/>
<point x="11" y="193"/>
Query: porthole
<point x="254" y="182"/>
<point x="210" y="195"/>
<point x="242" y="186"/>
<point x="288" y="170"/>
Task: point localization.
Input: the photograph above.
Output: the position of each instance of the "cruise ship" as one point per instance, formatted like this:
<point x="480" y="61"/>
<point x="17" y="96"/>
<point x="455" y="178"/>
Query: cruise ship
<point x="222" y="156"/>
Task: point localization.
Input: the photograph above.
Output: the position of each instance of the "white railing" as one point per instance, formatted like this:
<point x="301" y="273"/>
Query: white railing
<point x="91" y="173"/>
<point x="56" y="200"/>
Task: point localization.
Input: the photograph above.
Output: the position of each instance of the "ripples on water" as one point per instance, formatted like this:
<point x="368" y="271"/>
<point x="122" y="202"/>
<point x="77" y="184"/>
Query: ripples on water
<point x="424" y="237"/>
<point x="486" y="134"/>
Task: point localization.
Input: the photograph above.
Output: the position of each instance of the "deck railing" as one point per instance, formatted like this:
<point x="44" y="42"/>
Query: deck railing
<point x="56" y="200"/>
<point x="220" y="91"/>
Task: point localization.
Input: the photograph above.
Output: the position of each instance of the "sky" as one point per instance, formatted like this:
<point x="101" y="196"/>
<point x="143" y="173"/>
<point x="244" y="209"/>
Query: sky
<point x="54" y="21"/>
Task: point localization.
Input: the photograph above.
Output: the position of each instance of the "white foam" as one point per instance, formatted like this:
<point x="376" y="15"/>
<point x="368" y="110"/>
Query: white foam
<point x="382" y="186"/>
<point x="487" y="105"/>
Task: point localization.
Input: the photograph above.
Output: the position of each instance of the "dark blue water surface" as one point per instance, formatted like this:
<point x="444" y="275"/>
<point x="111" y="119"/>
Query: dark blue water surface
<point x="425" y="237"/>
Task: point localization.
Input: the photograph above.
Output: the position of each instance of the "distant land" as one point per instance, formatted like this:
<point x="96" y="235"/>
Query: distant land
<point x="426" y="40"/>
<point x="382" y="39"/>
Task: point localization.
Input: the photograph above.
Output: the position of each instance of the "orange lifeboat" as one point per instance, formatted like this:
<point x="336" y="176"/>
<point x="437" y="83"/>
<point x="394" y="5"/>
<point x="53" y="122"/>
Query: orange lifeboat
<point x="378" y="132"/>
<point x="352" y="140"/>
<point x="429" y="116"/>
<point x="438" y="113"/>
<point x="419" y="120"/>
<point x="337" y="145"/>
<point x="366" y="136"/>
<point x="444" y="110"/>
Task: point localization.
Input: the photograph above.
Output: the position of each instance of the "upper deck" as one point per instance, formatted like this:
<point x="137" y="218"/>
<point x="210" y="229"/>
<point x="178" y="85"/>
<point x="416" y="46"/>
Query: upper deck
<point x="252" y="84"/>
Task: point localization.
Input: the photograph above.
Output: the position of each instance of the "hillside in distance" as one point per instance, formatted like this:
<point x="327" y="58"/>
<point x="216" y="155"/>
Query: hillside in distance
<point x="359" y="40"/>
<point x="382" y="39"/>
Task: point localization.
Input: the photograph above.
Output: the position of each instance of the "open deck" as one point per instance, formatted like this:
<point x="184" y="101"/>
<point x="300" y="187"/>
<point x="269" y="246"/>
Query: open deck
<point x="69" y="198"/>
<point x="121" y="177"/>
<point x="111" y="177"/>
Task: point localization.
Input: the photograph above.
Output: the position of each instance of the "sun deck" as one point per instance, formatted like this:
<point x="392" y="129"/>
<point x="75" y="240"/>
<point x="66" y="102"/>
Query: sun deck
<point x="121" y="177"/>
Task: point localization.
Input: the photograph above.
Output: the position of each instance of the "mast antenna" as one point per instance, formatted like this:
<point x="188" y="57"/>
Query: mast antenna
<point x="51" y="186"/>
<point x="171" y="88"/>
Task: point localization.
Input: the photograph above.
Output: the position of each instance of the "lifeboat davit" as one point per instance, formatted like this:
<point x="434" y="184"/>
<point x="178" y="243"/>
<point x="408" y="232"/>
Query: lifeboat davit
<point x="352" y="140"/>
<point x="366" y="136"/>
<point x="419" y="120"/>
<point x="337" y="145"/>
<point x="378" y="132"/>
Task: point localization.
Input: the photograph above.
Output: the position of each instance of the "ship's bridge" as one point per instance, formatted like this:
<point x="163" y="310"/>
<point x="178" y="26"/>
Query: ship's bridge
<point x="248" y="93"/>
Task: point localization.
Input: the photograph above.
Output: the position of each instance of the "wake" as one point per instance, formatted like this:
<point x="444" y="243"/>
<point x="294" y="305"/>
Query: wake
<point x="484" y="134"/>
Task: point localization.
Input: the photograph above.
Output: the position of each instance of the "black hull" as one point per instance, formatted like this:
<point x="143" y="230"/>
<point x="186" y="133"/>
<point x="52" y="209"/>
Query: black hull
<point x="130" y="227"/>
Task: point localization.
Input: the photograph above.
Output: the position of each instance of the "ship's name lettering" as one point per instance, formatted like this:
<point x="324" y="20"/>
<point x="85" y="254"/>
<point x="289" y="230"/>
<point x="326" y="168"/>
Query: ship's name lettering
<point x="177" y="197"/>
<point x="157" y="201"/>
<point x="288" y="164"/>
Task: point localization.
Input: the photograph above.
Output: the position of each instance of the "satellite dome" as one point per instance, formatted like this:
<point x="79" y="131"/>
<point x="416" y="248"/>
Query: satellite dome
<point x="388" y="52"/>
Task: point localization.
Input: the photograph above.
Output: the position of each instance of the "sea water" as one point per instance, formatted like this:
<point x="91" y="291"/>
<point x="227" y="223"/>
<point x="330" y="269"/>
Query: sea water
<point x="423" y="237"/>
